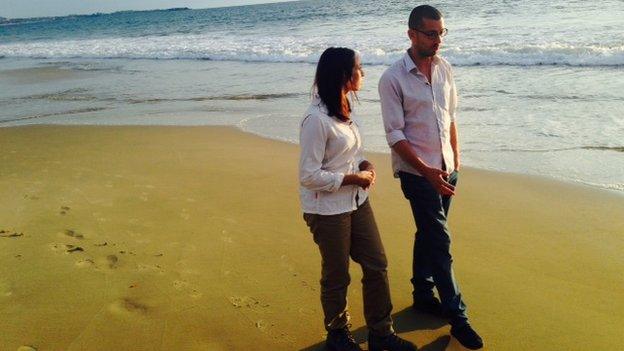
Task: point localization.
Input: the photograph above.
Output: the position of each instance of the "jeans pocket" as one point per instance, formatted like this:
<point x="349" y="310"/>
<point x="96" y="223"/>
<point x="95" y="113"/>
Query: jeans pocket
<point x="416" y="187"/>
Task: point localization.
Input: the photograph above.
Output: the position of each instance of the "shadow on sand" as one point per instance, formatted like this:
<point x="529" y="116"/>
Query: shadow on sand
<point x="405" y="321"/>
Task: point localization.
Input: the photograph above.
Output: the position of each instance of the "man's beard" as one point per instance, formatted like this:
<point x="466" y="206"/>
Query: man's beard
<point x="426" y="53"/>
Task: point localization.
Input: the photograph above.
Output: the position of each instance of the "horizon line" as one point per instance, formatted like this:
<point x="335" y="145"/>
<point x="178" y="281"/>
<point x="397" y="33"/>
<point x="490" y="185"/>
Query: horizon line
<point x="180" y="8"/>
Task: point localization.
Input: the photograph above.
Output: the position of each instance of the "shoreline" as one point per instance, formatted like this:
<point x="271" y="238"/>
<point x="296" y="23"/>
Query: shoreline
<point x="191" y="238"/>
<point x="578" y="183"/>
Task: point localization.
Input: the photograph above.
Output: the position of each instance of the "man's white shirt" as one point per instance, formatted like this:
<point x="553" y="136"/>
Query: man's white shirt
<point x="419" y="111"/>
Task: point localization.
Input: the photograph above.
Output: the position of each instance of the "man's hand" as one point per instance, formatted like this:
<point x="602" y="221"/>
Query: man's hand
<point x="435" y="176"/>
<point x="438" y="178"/>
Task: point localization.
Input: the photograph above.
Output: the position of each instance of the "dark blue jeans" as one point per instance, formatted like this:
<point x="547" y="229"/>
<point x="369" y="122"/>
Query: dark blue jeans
<point x="432" y="263"/>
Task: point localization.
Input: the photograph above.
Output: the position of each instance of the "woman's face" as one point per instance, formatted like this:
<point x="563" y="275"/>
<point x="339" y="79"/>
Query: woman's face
<point x="357" y="76"/>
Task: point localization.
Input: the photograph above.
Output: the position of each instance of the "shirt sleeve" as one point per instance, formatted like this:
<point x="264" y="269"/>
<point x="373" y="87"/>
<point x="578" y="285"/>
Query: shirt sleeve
<point x="312" y="141"/>
<point x="453" y="101"/>
<point x="391" y="109"/>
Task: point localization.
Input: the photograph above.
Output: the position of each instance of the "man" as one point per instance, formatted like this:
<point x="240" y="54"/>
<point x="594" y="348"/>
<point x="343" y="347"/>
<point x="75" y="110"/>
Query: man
<point x="418" y="103"/>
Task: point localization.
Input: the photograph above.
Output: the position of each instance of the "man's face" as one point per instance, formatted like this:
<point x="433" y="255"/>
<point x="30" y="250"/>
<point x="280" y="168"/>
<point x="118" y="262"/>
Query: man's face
<point x="426" y="40"/>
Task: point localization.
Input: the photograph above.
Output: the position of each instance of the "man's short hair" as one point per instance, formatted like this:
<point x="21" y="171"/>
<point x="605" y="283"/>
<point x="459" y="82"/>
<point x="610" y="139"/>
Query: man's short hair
<point x="420" y="12"/>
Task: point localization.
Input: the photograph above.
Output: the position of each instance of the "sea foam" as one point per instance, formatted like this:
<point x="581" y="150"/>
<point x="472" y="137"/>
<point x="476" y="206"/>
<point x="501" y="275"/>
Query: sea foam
<point x="290" y="49"/>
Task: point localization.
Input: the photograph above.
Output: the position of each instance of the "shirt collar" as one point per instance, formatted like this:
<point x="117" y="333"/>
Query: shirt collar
<point x="408" y="62"/>
<point x="410" y="65"/>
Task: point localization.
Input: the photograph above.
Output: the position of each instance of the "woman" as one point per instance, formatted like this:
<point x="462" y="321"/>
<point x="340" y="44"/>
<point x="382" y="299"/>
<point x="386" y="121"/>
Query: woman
<point x="335" y="179"/>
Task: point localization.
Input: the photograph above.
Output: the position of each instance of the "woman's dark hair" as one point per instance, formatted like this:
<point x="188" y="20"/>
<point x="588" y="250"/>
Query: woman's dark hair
<point x="333" y="72"/>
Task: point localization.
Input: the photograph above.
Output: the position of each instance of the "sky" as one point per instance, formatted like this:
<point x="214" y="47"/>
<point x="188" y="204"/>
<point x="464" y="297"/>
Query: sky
<point x="45" y="8"/>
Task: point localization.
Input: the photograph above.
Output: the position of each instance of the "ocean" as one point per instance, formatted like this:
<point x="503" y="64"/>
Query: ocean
<point x="541" y="83"/>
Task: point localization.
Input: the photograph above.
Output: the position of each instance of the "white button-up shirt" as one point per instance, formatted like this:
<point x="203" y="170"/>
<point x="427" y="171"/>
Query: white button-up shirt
<point x="419" y="111"/>
<point x="330" y="149"/>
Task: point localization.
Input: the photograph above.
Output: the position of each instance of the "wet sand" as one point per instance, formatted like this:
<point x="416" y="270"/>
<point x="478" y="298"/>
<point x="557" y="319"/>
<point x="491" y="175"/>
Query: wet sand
<point x="190" y="238"/>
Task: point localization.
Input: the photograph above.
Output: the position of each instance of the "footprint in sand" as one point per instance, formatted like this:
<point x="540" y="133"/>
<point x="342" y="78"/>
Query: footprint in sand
<point x="64" y="210"/>
<point x="112" y="261"/>
<point x="247" y="302"/>
<point x="126" y="306"/>
<point x="262" y="325"/>
<point x="72" y="248"/>
<point x="107" y="262"/>
<point x="9" y="234"/>
<point x="85" y="263"/>
<point x="182" y="285"/>
<point x="73" y="234"/>
<point x="66" y="248"/>
<point x="26" y="348"/>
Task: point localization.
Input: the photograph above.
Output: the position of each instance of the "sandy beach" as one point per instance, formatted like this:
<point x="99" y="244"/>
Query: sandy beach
<point x="191" y="238"/>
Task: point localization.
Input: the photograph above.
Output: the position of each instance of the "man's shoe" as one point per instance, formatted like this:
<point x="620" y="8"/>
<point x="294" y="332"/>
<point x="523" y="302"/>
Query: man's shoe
<point x="430" y="306"/>
<point x="467" y="336"/>
<point x="341" y="340"/>
<point x="390" y="342"/>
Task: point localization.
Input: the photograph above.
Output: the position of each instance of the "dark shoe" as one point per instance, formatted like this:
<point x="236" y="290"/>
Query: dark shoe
<point x="341" y="340"/>
<point x="430" y="306"/>
<point x="467" y="336"/>
<point x="390" y="342"/>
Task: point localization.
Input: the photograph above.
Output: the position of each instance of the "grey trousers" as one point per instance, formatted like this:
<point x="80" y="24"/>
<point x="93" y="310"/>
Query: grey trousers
<point x="352" y="234"/>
